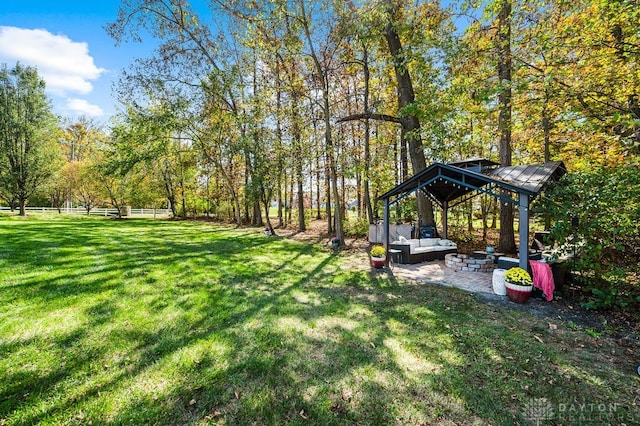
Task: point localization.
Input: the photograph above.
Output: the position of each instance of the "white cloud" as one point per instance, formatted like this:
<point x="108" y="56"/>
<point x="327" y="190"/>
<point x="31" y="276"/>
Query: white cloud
<point x="82" y="107"/>
<point x="65" y="65"/>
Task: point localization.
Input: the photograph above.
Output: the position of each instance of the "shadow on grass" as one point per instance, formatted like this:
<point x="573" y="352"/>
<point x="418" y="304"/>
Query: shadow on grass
<point x="183" y="323"/>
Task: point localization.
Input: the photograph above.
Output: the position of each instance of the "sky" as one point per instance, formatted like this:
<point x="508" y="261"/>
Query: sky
<point x="66" y="41"/>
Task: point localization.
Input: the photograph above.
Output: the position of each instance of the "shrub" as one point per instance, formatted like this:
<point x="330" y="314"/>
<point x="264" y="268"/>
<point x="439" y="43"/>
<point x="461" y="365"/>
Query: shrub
<point x="606" y="203"/>
<point x="356" y="227"/>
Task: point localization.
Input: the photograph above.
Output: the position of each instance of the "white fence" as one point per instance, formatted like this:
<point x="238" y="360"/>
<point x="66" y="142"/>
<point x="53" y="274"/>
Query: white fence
<point x="98" y="211"/>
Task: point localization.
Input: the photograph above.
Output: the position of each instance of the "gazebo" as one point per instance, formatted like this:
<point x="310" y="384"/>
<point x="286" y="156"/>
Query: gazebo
<point x="448" y="185"/>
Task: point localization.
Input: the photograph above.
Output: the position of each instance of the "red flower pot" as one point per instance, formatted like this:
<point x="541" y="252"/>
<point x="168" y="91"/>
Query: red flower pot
<point x="378" y="262"/>
<point x="518" y="293"/>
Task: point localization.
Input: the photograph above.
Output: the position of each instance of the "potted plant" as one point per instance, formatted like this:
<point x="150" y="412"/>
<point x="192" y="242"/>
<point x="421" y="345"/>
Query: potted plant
<point x="378" y="256"/>
<point x="519" y="285"/>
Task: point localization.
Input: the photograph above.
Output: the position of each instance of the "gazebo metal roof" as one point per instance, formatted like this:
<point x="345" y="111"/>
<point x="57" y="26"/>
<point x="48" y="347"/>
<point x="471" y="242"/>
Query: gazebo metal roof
<point x="456" y="182"/>
<point x="531" y="177"/>
<point x="450" y="184"/>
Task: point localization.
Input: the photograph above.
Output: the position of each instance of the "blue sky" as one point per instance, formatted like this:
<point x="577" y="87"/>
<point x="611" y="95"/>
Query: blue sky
<point x="66" y="40"/>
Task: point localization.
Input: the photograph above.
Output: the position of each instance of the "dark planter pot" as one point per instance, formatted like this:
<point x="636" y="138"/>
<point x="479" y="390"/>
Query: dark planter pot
<point x="378" y="262"/>
<point x="335" y="245"/>
<point x="518" y="293"/>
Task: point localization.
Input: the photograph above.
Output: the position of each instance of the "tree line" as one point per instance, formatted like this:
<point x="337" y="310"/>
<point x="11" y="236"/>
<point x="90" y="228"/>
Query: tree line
<point x="317" y="105"/>
<point x="285" y="110"/>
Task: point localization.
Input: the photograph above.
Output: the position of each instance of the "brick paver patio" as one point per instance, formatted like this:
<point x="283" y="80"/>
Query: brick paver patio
<point x="437" y="273"/>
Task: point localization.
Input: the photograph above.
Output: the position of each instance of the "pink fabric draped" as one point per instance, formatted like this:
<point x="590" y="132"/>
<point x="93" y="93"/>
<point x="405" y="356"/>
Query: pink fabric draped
<point x="543" y="278"/>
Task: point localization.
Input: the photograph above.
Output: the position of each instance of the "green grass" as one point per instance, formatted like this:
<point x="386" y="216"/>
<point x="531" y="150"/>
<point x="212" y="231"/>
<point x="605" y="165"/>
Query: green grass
<point x="159" y="322"/>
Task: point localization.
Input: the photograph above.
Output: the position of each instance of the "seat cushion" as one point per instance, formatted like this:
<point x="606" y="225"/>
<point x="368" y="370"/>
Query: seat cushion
<point x="424" y="249"/>
<point x="429" y="242"/>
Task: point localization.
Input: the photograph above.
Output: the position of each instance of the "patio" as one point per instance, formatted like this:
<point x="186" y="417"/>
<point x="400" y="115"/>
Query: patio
<point x="435" y="272"/>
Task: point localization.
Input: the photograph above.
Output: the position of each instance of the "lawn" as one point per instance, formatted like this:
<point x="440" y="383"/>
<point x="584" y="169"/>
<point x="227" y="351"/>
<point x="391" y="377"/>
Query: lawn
<point x="167" y="322"/>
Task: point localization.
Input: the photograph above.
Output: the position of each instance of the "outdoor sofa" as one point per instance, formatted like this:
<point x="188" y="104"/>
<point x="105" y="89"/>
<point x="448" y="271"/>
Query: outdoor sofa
<point x="423" y="249"/>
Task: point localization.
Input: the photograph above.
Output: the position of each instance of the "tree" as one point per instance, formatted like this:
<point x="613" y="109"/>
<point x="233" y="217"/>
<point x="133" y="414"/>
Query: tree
<point x="29" y="153"/>
<point x="410" y="135"/>
<point x="84" y="182"/>
<point x="507" y="242"/>
<point x="403" y="37"/>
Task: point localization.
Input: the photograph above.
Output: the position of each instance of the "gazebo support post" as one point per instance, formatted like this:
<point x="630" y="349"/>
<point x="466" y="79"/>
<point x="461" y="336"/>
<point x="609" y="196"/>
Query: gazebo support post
<point x="385" y="230"/>
<point x="524" y="230"/>
<point x="445" y="221"/>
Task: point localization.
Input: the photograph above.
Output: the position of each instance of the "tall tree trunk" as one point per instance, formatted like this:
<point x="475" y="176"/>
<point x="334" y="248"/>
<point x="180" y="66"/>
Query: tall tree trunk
<point x="323" y="77"/>
<point x="367" y="166"/>
<point x="279" y="138"/>
<point x="285" y="197"/>
<point x="333" y="175"/>
<point x="404" y="160"/>
<point x="257" y="214"/>
<point x="297" y="140"/>
<point x="290" y="203"/>
<point x="328" y="197"/>
<point x="301" y="225"/>
<point x="495" y="206"/>
<point x="247" y="174"/>
<point x="318" y="174"/>
<point x="507" y="242"/>
<point x="318" y="184"/>
<point x="183" y="191"/>
<point x="280" y="216"/>
<point x="410" y="134"/>
<point x="484" y="207"/>
<point x="546" y="128"/>
<point x="168" y="186"/>
<point x="22" y="203"/>
<point x="343" y="196"/>
<point x="266" y="202"/>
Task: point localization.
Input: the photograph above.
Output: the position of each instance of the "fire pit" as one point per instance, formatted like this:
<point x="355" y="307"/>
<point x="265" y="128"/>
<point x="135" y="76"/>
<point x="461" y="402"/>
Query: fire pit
<point x="470" y="263"/>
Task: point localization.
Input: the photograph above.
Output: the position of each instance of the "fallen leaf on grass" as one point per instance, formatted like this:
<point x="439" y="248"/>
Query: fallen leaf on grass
<point x="538" y="338"/>
<point x="236" y="394"/>
<point x="553" y="326"/>
<point x="213" y="415"/>
<point x="192" y="402"/>
<point x="338" y="409"/>
<point x="303" y="415"/>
